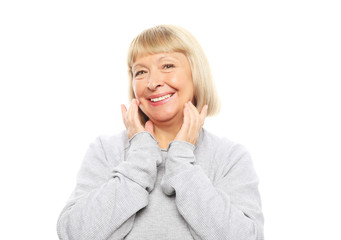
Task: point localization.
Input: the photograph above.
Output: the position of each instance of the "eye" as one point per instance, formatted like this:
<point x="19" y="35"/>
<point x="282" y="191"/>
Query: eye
<point x="168" y="66"/>
<point x="139" y="73"/>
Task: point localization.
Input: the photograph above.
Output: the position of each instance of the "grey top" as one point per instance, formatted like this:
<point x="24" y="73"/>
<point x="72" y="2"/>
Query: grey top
<point x="132" y="189"/>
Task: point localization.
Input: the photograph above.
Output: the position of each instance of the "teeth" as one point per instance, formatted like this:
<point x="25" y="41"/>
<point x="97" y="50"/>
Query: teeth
<point x="160" y="98"/>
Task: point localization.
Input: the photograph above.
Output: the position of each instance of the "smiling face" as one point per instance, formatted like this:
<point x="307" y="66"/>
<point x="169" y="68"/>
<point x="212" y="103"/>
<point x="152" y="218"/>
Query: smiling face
<point x="163" y="83"/>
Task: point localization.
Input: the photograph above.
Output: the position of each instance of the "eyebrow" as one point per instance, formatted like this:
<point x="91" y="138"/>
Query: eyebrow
<point x="171" y="57"/>
<point x="137" y="65"/>
<point x="158" y="60"/>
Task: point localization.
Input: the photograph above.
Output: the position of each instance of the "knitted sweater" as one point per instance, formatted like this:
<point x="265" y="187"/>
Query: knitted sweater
<point x="132" y="189"/>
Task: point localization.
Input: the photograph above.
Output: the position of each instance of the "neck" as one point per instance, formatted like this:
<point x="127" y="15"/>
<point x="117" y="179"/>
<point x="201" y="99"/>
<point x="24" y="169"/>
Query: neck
<point x="165" y="133"/>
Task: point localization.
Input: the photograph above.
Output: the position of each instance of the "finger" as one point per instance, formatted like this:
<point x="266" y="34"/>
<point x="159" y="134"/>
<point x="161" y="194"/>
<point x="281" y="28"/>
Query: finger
<point x="203" y="115"/>
<point x="149" y="127"/>
<point x="124" y="112"/>
<point x="187" y="116"/>
<point x="134" y="119"/>
<point x="135" y="114"/>
<point x="129" y="113"/>
<point x="184" y="133"/>
<point x="197" y="123"/>
<point x="194" y="116"/>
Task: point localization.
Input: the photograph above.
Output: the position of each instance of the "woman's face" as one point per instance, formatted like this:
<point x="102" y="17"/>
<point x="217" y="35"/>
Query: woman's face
<point x="163" y="84"/>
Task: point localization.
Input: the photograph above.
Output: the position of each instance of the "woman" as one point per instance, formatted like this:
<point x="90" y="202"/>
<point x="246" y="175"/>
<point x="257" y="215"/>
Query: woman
<point x="165" y="177"/>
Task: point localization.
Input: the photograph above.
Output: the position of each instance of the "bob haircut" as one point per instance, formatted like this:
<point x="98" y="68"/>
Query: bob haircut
<point x="169" y="38"/>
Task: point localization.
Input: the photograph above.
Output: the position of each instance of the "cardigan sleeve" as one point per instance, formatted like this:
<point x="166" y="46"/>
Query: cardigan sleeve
<point x="229" y="208"/>
<point x="106" y="198"/>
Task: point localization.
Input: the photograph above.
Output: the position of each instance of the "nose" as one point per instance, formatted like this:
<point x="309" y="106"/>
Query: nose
<point x="155" y="80"/>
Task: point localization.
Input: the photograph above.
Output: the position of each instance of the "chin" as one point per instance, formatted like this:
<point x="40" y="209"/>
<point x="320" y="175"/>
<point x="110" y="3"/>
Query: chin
<point x="163" y="117"/>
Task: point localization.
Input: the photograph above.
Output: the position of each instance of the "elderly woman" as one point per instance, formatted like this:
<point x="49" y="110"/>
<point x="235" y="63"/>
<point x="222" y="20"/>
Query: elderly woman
<point x="165" y="177"/>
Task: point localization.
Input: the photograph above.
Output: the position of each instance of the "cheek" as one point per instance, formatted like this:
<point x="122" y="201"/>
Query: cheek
<point x="178" y="82"/>
<point x="185" y="85"/>
<point x="138" y="89"/>
<point x="189" y="91"/>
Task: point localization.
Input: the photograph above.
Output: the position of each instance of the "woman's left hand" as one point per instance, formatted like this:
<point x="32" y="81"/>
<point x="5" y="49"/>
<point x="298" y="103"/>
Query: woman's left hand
<point x="193" y="122"/>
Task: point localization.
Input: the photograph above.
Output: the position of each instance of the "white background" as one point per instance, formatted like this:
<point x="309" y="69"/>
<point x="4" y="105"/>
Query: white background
<point x="277" y="65"/>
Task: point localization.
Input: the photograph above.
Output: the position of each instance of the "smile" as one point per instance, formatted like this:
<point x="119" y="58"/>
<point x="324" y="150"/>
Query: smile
<point x="160" y="98"/>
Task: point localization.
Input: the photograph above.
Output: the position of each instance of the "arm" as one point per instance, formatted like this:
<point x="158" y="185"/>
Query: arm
<point x="105" y="200"/>
<point x="229" y="208"/>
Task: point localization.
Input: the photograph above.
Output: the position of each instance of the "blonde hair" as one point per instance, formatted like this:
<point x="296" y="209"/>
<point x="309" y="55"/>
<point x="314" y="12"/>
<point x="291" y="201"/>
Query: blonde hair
<point x="169" y="38"/>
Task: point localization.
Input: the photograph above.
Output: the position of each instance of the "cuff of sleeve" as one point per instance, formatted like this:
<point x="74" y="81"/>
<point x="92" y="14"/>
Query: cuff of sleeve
<point x="142" y="159"/>
<point x="142" y="138"/>
<point x="180" y="159"/>
<point x="181" y="144"/>
<point x="181" y="150"/>
<point x="185" y="180"/>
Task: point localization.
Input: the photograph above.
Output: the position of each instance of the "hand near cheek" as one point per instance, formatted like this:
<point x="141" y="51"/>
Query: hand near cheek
<point x="132" y="122"/>
<point x="193" y="122"/>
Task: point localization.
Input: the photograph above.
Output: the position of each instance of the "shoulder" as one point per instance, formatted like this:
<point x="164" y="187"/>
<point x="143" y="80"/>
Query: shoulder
<point x="220" y="144"/>
<point x="224" y="152"/>
<point x="228" y="158"/>
<point x="112" y="146"/>
<point x="118" y="141"/>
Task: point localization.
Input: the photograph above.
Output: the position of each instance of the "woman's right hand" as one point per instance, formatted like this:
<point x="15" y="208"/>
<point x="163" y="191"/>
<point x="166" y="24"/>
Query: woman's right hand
<point x="132" y="122"/>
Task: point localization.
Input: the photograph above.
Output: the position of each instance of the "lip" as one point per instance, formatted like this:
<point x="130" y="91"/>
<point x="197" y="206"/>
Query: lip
<point x="160" y="95"/>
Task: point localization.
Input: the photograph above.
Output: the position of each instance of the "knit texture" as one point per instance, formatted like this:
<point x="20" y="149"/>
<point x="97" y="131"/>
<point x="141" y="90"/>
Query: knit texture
<point x="132" y="189"/>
